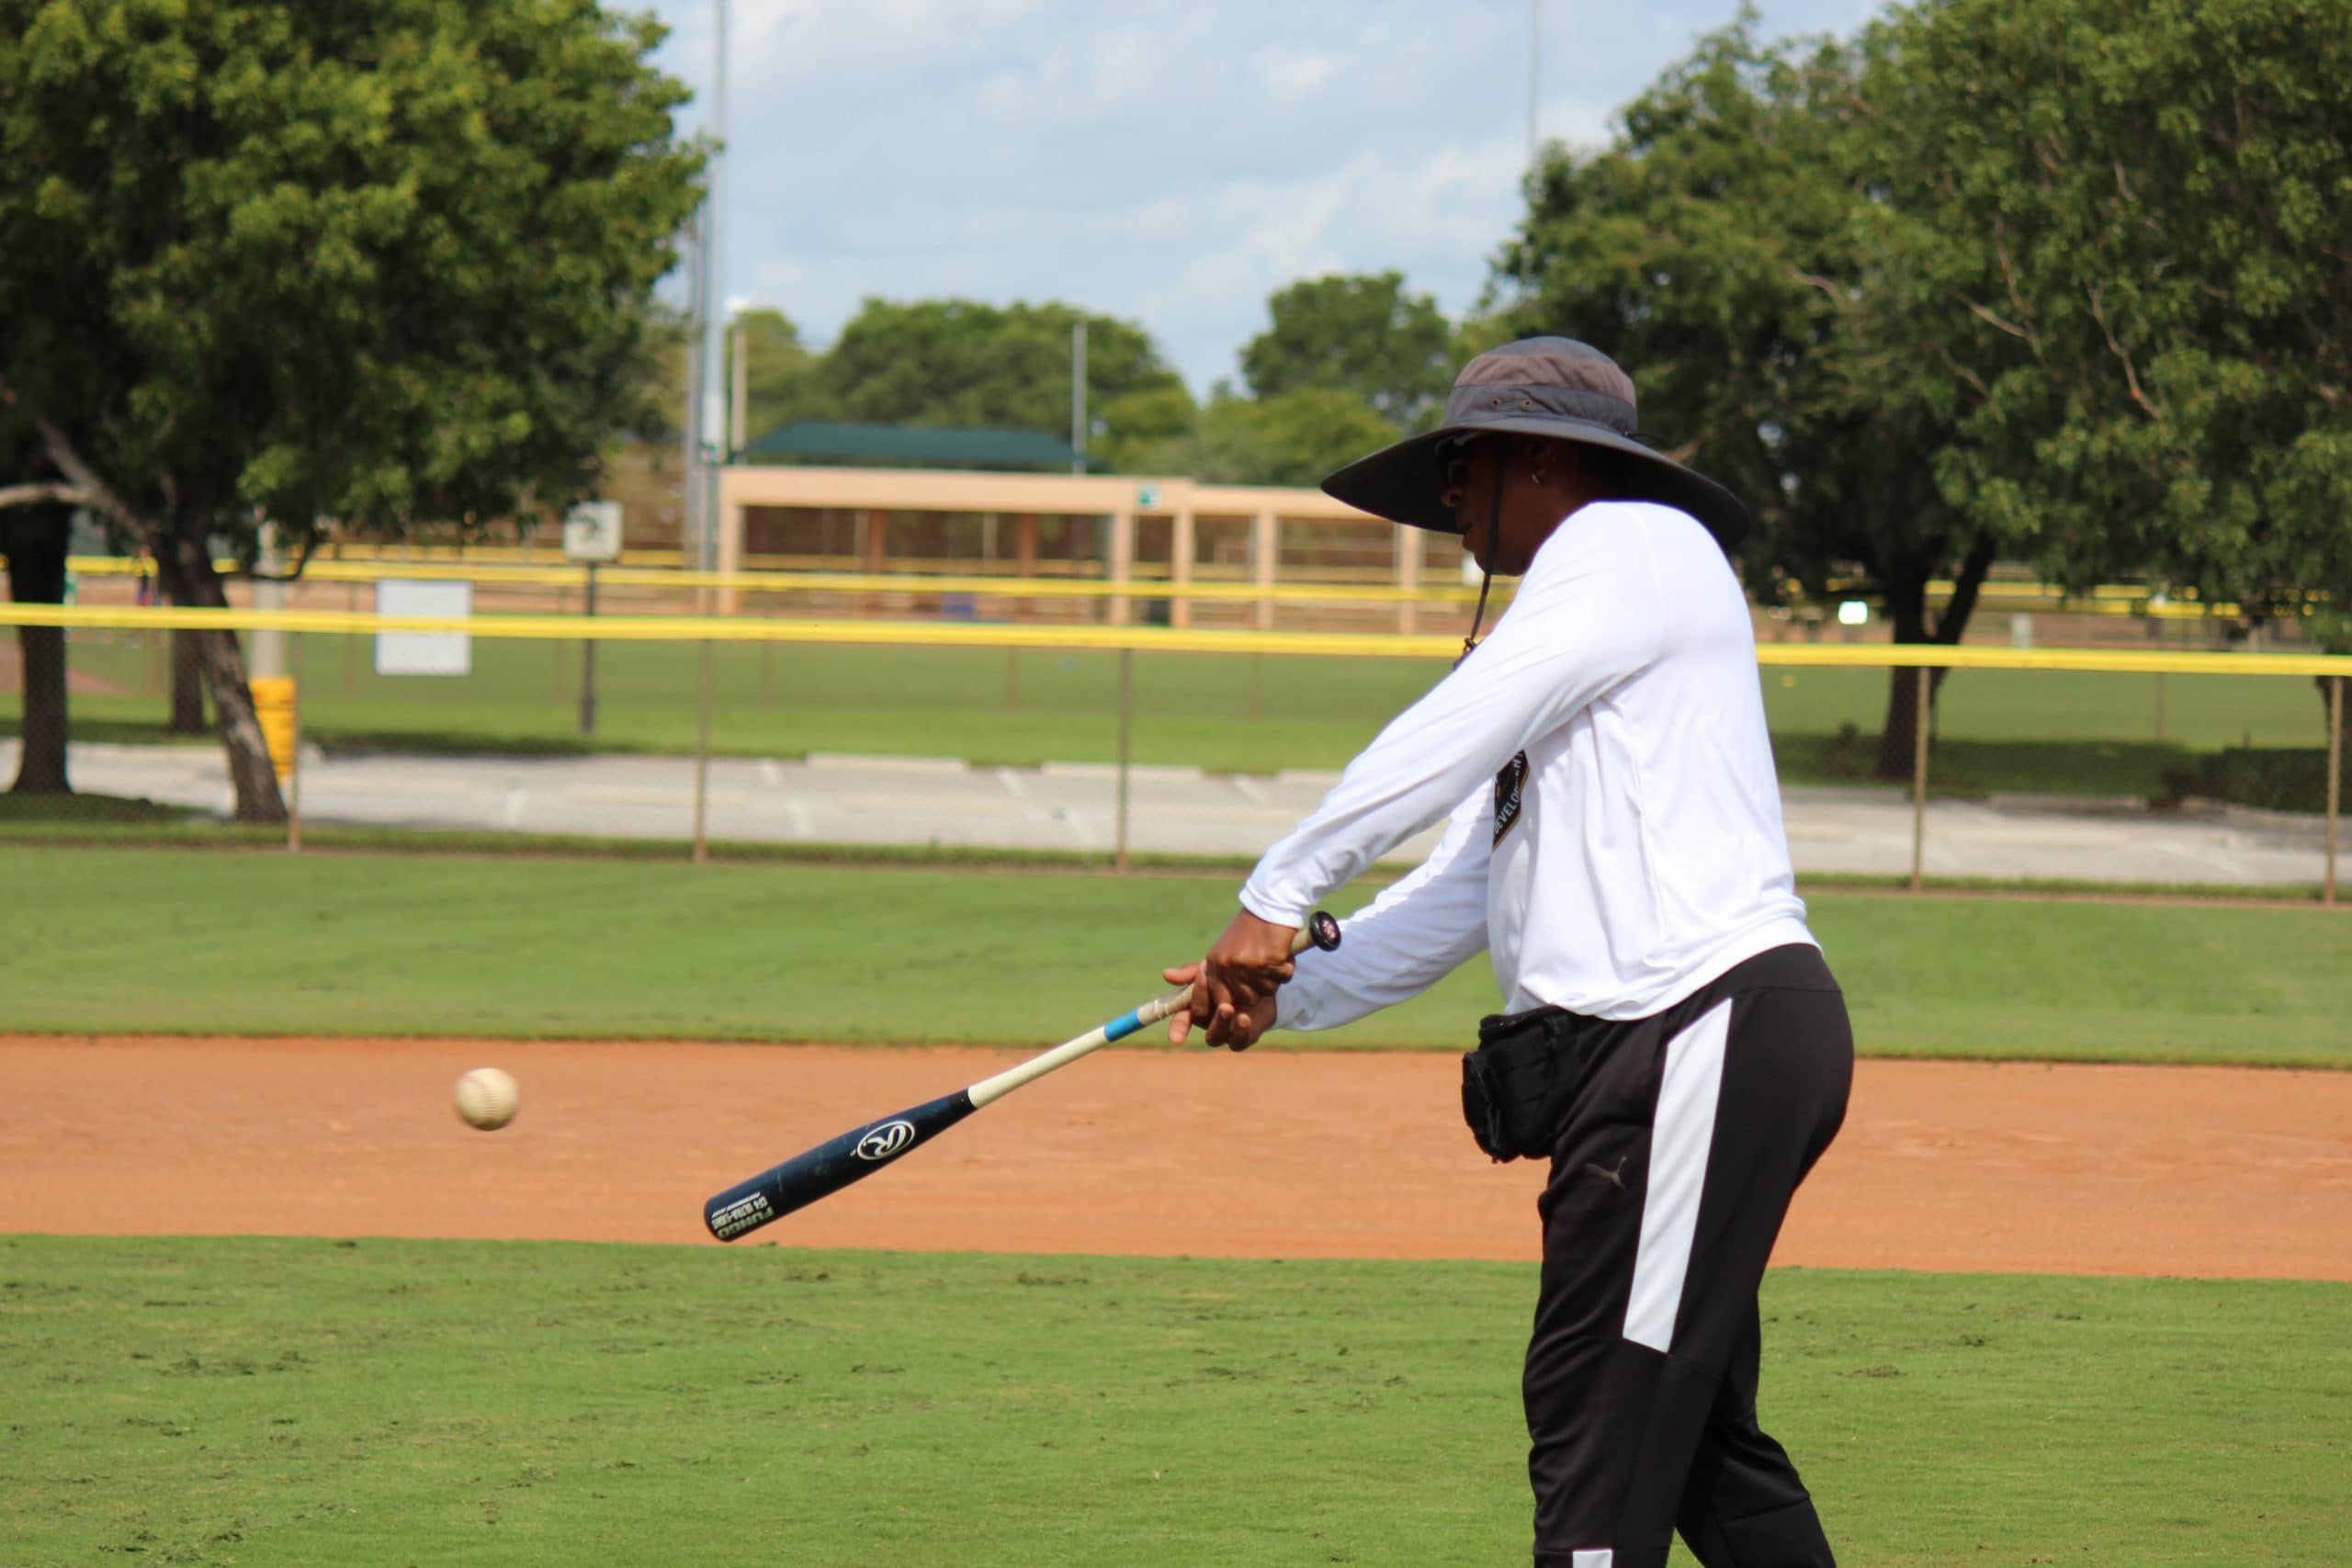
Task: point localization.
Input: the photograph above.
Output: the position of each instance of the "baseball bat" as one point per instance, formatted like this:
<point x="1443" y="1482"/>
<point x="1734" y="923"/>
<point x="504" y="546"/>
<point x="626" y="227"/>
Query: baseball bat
<point x="863" y="1150"/>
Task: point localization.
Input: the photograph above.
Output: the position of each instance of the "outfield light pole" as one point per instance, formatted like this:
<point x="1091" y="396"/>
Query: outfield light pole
<point x="690" y="455"/>
<point x="713" y="321"/>
<point x="739" y="387"/>
<point x="1078" y="395"/>
<point x="706" y="347"/>
<point x="1534" y="72"/>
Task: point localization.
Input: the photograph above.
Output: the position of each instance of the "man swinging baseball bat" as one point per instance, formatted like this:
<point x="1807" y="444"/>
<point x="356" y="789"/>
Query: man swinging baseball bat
<point x="1672" y="1044"/>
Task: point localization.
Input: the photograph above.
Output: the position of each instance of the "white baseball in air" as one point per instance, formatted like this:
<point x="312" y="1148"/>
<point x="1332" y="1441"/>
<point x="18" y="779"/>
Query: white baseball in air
<point x="488" y="1098"/>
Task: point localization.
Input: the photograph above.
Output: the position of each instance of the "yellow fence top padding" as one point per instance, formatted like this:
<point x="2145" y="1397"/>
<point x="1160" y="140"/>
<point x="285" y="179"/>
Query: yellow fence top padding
<point x="1142" y="639"/>
<point x="500" y="575"/>
<point x="2104" y="601"/>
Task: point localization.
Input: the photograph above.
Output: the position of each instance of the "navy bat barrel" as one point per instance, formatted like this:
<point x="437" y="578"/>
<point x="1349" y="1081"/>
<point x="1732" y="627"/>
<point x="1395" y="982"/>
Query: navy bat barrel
<point x="830" y="1167"/>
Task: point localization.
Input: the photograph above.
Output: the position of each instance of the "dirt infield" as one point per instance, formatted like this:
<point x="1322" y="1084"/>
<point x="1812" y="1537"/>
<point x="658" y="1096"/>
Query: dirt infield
<point x="1942" y="1166"/>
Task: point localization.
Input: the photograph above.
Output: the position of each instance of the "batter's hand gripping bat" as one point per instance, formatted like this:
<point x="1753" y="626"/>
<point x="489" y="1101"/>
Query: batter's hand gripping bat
<point x="859" y="1152"/>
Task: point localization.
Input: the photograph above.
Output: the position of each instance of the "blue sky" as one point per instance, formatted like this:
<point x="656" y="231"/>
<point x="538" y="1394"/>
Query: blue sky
<point x="1171" y="162"/>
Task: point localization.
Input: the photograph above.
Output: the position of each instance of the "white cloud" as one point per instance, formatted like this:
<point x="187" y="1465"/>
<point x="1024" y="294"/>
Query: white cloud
<point x="774" y="278"/>
<point x="1582" y="123"/>
<point x="1102" y="74"/>
<point x="771" y="43"/>
<point x="1170" y="161"/>
<point x="1289" y="76"/>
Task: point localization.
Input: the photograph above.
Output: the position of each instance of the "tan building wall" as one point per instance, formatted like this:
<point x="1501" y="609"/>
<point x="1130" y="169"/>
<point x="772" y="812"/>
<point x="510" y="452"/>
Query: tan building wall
<point x="1125" y="529"/>
<point x="1143" y="530"/>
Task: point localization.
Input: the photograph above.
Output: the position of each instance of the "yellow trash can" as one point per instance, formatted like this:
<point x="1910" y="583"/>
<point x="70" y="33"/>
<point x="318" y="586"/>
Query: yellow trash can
<point x="274" y="706"/>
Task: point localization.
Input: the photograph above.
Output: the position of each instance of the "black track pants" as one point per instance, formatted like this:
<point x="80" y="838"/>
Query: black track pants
<point x="1672" y="1171"/>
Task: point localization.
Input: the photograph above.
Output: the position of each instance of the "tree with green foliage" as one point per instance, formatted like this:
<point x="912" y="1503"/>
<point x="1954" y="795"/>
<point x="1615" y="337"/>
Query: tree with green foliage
<point x="775" y="368"/>
<point x="1365" y="336"/>
<point x="961" y="363"/>
<point x="1142" y="431"/>
<point x="2139" y="221"/>
<point x="1290" y="438"/>
<point x="1716" y="250"/>
<point x="386" y="264"/>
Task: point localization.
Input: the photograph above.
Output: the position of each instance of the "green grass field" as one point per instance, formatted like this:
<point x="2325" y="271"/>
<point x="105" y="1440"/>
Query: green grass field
<point x="1997" y="730"/>
<point x="212" y="942"/>
<point x="382" y="1404"/>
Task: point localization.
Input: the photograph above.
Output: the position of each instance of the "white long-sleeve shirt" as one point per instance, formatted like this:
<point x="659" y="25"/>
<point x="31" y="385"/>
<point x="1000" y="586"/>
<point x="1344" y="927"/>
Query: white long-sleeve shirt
<point x="1639" y="855"/>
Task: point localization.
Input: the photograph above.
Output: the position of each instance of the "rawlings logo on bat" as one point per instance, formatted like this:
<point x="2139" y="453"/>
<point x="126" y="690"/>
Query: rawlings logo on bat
<point x="891" y="1138"/>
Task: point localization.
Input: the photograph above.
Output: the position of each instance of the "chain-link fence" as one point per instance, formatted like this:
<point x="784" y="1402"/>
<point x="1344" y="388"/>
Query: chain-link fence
<point x="752" y="734"/>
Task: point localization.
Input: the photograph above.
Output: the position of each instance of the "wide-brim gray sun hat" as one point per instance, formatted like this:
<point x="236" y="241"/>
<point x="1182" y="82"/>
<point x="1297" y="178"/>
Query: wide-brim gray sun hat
<point x="1551" y="387"/>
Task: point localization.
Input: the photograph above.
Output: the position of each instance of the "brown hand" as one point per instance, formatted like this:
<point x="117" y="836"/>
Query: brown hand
<point x="1179" y="1024"/>
<point x="1233" y="996"/>
<point x="1237" y="1028"/>
<point x="1250" y="960"/>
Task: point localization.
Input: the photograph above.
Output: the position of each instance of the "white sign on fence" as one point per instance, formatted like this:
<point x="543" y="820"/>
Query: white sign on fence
<point x="423" y="653"/>
<point x="592" y="531"/>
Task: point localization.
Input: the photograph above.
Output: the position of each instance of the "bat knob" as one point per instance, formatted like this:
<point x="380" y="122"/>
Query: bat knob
<point x="1323" y="930"/>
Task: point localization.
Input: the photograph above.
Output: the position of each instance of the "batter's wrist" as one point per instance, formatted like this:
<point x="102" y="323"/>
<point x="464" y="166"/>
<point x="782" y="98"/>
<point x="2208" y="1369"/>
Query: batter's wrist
<point x="1274" y="911"/>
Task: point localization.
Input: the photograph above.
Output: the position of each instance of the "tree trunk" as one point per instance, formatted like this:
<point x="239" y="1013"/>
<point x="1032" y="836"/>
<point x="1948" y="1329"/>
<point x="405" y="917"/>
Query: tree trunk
<point x="36" y="543"/>
<point x="1899" y="733"/>
<point x="188" y="687"/>
<point x="249" y="769"/>
<point x="179" y="542"/>
<point x="184" y="566"/>
<point x="1907" y="606"/>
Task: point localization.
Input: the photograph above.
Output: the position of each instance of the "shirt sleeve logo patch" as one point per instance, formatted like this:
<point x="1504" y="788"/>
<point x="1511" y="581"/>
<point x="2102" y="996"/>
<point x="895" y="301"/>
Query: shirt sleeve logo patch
<point x="1510" y="794"/>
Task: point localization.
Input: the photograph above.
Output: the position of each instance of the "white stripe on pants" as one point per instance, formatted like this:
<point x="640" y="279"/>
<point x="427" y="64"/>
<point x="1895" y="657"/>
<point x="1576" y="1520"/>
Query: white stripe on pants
<point x="1679" y="1138"/>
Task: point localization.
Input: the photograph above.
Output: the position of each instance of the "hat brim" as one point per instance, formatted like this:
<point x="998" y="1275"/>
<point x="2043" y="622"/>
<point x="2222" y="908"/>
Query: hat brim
<point x="1406" y="482"/>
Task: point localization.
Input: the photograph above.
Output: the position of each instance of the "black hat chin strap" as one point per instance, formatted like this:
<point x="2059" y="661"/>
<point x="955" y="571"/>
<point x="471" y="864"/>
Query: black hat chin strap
<point x="1486" y="579"/>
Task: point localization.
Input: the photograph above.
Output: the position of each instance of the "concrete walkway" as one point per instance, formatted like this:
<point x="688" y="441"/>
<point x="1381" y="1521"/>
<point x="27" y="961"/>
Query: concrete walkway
<point x="908" y="800"/>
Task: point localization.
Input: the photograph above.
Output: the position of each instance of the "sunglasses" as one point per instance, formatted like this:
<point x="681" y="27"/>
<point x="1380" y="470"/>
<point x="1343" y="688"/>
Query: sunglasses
<point x="1457" y="453"/>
